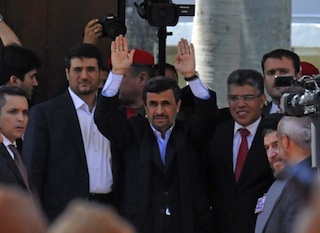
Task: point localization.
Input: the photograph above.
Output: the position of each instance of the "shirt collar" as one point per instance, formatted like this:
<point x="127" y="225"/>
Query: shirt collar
<point x="78" y="102"/>
<point x="7" y="142"/>
<point x="252" y="128"/>
<point x="158" y="133"/>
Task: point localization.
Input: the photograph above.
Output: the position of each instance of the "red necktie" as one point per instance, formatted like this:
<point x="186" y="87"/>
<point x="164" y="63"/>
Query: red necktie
<point x="243" y="150"/>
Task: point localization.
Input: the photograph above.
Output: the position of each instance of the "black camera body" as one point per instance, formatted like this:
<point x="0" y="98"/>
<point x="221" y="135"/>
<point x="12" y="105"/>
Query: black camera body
<point x="167" y="14"/>
<point x="303" y="96"/>
<point x="163" y="13"/>
<point x="112" y="26"/>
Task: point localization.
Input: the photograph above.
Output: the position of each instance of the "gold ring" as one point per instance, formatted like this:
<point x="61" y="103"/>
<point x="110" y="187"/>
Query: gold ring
<point x="117" y="50"/>
<point x="95" y="30"/>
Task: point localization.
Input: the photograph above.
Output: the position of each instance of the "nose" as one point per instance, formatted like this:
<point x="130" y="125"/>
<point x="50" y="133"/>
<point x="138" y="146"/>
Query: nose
<point x="241" y="102"/>
<point x="20" y="116"/>
<point x="159" y="109"/>
<point x="84" y="74"/>
<point x="272" y="152"/>
<point x="35" y="82"/>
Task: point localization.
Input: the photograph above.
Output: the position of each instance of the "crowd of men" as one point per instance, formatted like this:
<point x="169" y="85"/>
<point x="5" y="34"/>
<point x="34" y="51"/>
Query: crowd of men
<point x="165" y="159"/>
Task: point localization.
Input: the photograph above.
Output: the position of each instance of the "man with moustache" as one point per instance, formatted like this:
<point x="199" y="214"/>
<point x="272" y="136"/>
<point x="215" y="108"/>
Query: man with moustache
<point x="278" y="208"/>
<point x="238" y="169"/>
<point x="279" y="62"/>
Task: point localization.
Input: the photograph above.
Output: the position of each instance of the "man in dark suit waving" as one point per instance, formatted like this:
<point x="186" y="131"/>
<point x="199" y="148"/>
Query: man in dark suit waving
<point x="161" y="192"/>
<point x="239" y="171"/>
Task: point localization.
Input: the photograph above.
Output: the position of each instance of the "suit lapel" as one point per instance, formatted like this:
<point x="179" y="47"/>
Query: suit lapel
<point x="72" y="132"/>
<point x="229" y="147"/>
<point x="272" y="199"/>
<point x="11" y="163"/>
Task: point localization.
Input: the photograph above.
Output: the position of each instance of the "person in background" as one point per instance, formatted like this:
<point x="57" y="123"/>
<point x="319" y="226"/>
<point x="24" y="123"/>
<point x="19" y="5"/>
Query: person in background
<point x="279" y="62"/>
<point x="294" y="141"/>
<point x="170" y="71"/>
<point x="66" y="154"/>
<point x="83" y="217"/>
<point x="18" y="67"/>
<point x="278" y="208"/>
<point x="134" y="80"/>
<point x="19" y="213"/>
<point x="13" y="122"/>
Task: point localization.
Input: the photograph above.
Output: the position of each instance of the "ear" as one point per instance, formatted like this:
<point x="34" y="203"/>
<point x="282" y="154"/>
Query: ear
<point x="263" y="100"/>
<point x="143" y="79"/>
<point x="299" y="75"/>
<point x="146" y="110"/>
<point x="67" y="73"/>
<point x="14" y="80"/>
<point x="285" y="141"/>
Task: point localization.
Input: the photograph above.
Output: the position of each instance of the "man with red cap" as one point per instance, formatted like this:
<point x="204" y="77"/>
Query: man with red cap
<point x="134" y="80"/>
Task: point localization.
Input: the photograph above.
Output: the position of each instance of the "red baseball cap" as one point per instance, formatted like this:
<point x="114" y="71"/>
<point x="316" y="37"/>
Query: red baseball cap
<point x="307" y="68"/>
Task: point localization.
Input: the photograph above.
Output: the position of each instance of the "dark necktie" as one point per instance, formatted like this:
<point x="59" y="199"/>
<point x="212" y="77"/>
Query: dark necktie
<point x="243" y="150"/>
<point x="20" y="165"/>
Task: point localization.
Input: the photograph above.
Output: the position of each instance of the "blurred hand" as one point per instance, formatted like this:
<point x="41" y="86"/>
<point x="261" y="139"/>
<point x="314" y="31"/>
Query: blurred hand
<point x="92" y="32"/>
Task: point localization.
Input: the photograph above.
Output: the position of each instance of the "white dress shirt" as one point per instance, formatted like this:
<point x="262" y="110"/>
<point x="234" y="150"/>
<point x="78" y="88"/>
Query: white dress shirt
<point x="97" y="148"/>
<point x="237" y="138"/>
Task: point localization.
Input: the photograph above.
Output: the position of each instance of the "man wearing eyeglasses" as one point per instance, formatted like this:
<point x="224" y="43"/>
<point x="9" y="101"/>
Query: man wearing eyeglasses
<point x="239" y="170"/>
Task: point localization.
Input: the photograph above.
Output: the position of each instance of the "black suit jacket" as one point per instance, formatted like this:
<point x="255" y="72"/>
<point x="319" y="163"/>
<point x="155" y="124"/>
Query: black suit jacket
<point x="9" y="172"/>
<point x="234" y="203"/>
<point x="54" y="153"/>
<point x="148" y="185"/>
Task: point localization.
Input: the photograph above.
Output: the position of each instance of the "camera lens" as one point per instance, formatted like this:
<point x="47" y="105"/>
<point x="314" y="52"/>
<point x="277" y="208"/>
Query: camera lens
<point x="162" y="13"/>
<point x="114" y="28"/>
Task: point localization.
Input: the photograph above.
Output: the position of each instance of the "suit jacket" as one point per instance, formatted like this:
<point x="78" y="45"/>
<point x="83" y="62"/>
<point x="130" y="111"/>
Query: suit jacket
<point x="234" y="203"/>
<point x="9" y="172"/>
<point x="285" y="209"/>
<point x="149" y="187"/>
<point x="266" y="108"/>
<point x="54" y="153"/>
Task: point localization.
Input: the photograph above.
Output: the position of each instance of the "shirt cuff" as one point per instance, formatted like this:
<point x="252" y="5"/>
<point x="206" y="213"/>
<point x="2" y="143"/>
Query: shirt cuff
<point x="112" y="85"/>
<point x="199" y="89"/>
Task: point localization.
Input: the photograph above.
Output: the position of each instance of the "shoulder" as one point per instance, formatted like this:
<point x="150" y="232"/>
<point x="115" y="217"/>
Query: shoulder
<point x="61" y="100"/>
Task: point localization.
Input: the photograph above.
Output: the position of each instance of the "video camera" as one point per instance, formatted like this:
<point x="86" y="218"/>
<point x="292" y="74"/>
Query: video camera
<point x="303" y="97"/>
<point x="163" y="13"/>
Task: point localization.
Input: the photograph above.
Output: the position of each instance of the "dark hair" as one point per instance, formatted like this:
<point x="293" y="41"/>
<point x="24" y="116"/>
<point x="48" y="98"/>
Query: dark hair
<point x="82" y="50"/>
<point x="12" y="91"/>
<point x="160" y="84"/>
<point x="137" y="69"/>
<point x="279" y="54"/>
<point x="247" y="77"/>
<point x="16" y="60"/>
<point x="270" y="122"/>
<point x="166" y="66"/>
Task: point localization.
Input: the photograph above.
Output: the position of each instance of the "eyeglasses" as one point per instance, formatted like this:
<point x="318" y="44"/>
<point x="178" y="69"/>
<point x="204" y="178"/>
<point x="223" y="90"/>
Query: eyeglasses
<point x="245" y="98"/>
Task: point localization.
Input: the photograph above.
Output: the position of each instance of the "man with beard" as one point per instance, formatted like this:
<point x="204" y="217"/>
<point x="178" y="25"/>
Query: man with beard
<point x="278" y="208"/>
<point x="66" y="154"/>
